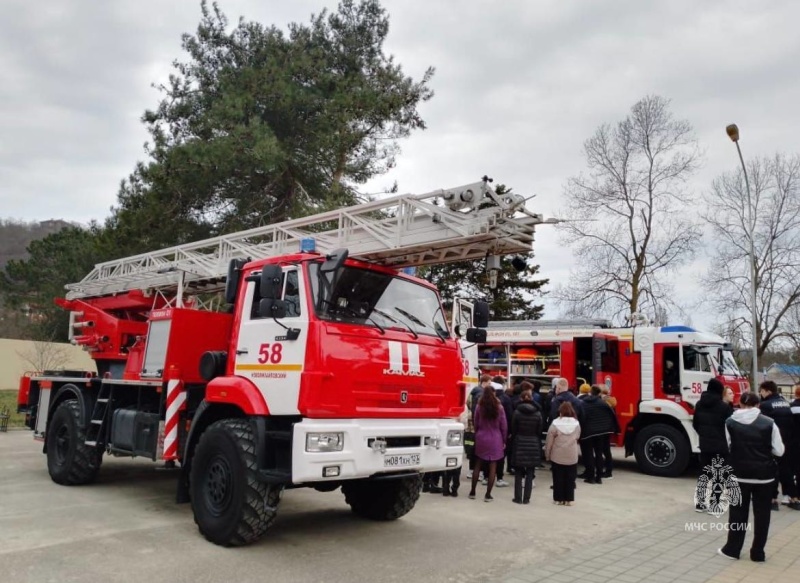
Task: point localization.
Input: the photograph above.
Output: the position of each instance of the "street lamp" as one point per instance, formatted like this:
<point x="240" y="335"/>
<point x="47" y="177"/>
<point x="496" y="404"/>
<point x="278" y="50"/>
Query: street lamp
<point x="733" y="134"/>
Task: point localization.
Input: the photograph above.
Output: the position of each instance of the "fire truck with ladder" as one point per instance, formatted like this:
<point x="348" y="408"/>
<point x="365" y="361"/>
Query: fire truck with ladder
<point x="655" y="374"/>
<point x="325" y="364"/>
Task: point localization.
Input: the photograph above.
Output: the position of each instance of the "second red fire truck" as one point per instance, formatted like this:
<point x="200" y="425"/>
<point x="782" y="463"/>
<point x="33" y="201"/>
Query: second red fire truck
<point x="655" y="374"/>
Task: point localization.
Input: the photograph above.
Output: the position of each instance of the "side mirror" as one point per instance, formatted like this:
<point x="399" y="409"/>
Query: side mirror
<point x="232" y="281"/>
<point x="458" y="331"/>
<point x="334" y="261"/>
<point x="480" y="314"/>
<point x="271" y="281"/>
<point x="269" y="308"/>
<point x="476" y="335"/>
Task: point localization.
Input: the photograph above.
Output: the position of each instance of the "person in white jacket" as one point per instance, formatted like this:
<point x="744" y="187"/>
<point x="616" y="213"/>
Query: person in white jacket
<point x="754" y="441"/>
<point x="561" y="449"/>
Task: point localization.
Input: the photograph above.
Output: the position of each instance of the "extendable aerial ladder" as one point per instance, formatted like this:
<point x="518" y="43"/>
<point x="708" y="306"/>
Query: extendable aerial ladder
<point x="467" y="222"/>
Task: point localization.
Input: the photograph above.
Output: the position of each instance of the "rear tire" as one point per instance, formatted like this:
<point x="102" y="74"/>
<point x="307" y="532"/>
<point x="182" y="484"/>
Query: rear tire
<point x="70" y="461"/>
<point x="662" y="450"/>
<point x="382" y="499"/>
<point x="231" y="506"/>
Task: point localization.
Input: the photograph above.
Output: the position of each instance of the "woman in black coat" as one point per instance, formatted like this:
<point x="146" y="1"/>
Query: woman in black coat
<point x="526" y="432"/>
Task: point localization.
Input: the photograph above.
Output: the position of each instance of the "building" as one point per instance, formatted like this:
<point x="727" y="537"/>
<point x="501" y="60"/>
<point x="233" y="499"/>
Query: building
<point x="784" y="375"/>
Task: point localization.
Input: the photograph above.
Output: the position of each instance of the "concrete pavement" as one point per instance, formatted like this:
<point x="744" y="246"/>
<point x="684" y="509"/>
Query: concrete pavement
<point x="126" y="527"/>
<point x="679" y="548"/>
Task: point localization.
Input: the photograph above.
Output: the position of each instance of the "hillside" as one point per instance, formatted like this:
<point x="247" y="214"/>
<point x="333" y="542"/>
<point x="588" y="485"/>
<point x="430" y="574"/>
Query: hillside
<point x="15" y="236"/>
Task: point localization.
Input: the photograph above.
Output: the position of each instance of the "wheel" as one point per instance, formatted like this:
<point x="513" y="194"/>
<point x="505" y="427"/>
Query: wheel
<point x="382" y="499"/>
<point x="231" y="506"/>
<point x="69" y="460"/>
<point x="662" y="450"/>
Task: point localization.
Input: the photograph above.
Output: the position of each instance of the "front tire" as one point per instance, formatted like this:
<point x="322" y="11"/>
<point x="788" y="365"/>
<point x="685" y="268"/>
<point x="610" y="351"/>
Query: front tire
<point x="382" y="499"/>
<point x="662" y="450"/>
<point x="231" y="506"/>
<point x="70" y="461"/>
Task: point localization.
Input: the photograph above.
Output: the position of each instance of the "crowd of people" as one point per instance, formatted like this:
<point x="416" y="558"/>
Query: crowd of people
<point x="514" y="429"/>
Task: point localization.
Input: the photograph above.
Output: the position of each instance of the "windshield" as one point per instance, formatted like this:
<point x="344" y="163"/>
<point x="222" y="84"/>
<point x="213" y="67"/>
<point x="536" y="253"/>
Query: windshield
<point x="728" y="364"/>
<point x="361" y="296"/>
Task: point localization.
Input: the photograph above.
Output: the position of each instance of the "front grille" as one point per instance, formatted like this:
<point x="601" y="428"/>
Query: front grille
<point x="396" y="442"/>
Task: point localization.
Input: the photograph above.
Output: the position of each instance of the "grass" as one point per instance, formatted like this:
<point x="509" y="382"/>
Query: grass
<point x="8" y="400"/>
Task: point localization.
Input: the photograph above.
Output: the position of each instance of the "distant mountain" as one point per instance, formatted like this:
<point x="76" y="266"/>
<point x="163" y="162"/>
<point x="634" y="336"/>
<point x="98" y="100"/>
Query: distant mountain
<point x="15" y="236"/>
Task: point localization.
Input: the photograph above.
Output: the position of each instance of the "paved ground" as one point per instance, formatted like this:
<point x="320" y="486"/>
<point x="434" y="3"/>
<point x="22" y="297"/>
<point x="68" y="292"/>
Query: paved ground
<point x="669" y="550"/>
<point x="126" y="527"/>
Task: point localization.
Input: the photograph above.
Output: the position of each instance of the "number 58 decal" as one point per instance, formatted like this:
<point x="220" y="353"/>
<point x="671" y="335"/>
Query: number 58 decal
<point x="272" y="353"/>
<point x="697" y="388"/>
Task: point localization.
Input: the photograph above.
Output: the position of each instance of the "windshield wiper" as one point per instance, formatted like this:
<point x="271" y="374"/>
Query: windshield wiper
<point x="410" y="317"/>
<point x="378" y="326"/>
<point x="437" y="327"/>
<point x="385" y="315"/>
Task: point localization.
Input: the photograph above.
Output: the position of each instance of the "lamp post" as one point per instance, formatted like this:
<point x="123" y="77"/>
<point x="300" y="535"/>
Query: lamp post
<point x="733" y="134"/>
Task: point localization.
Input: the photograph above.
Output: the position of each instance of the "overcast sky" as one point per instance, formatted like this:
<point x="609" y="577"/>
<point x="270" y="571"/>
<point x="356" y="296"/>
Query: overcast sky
<point x="519" y="84"/>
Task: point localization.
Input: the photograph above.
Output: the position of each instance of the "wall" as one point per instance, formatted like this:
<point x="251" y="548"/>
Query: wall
<point x="15" y="354"/>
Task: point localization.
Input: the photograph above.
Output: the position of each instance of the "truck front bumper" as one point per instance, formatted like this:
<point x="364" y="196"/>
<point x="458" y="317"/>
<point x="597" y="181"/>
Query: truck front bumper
<point x="374" y="447"/>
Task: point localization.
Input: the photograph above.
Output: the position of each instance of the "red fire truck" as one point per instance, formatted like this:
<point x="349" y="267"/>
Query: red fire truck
<point x="656" y="375"/>
<point x="295" y="355"/>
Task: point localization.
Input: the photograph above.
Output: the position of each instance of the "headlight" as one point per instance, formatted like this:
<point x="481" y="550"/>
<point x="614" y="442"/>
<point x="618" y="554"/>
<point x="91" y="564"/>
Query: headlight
<point x="324" y="441"/>
<point x="455" y="437"/>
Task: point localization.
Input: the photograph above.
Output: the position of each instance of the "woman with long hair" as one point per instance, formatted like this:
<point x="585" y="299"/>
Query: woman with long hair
<point x="491" y="430"/>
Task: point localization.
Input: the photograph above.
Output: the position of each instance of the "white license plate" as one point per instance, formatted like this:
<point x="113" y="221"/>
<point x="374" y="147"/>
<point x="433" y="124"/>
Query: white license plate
<point x="399" y="461"/>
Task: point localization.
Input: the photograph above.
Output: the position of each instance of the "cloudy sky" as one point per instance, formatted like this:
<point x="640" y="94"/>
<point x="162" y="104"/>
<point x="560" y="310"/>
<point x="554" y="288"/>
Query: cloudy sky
<point x="520" y="84"/>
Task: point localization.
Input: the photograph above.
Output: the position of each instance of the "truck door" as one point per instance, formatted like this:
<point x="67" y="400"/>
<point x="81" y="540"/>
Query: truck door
<point x="462" y="319"/>
<point x="695" y="372"/>
<point x="264" y="353"/>
<point x="667" y="371"/>
<point x="605" y="360"/>
<point x="607" y="373"/>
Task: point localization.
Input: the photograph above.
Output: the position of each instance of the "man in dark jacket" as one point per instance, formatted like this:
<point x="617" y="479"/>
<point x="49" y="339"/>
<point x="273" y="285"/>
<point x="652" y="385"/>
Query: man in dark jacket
<point x="598" y="422"/>
<point x="795" y="446"/>
<point x="778" y="409"/>
<point x="563" y="395"/>
<point x="477" y="391"/>
<point x="710" y="415"/>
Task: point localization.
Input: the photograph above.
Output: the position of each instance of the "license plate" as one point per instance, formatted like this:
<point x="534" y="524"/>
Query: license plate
<point x="399" y="461"/>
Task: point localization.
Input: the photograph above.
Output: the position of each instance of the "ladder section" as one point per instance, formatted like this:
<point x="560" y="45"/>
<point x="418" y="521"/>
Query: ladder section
<point x="405" y="230"/>
<point x="97" y="423"/>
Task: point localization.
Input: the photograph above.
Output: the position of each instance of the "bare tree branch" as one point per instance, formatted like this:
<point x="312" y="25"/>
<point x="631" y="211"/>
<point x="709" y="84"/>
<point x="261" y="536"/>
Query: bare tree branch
<point x="775" y="235"/>
<point x="44" y="355"/>
<point x="624" y="224"/>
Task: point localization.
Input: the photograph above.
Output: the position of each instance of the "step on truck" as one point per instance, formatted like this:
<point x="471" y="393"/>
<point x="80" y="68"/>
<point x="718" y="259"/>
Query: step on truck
<point x="302" y="354"/>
